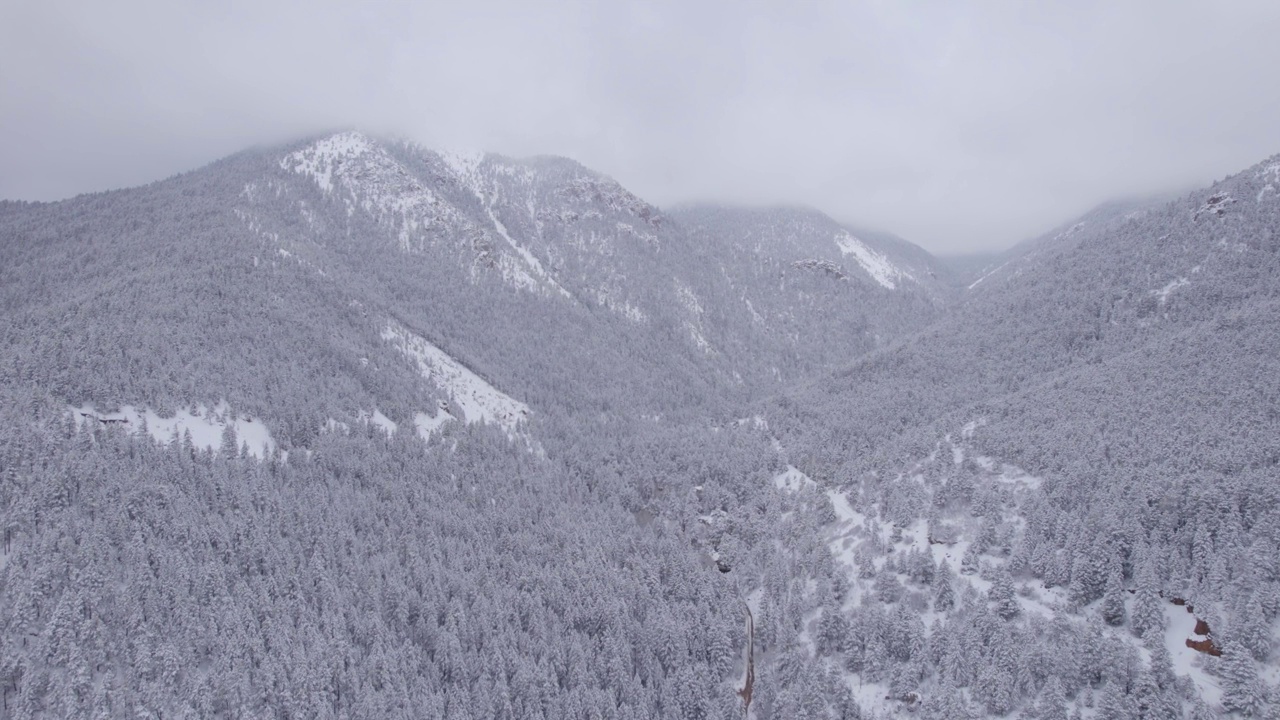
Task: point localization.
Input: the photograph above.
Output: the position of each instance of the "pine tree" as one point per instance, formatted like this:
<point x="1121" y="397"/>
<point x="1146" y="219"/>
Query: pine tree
<point x="969" y="561"/>
<point x="230" y="445"/>
<point x="1116" y="704"/>
<point x="1113" y="610"/>
<point x="1053" y="701"/>
<point x="1004" y="596"/>
<point x="1148" y="608"/>
<point x="944" y="591"/>
<point x="1241" y="691"/>
<point x="1251" y="628"/>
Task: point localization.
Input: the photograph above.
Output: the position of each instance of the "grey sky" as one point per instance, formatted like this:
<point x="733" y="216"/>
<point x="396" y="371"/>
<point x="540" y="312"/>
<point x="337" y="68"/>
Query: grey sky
<point x="960" y="126"/>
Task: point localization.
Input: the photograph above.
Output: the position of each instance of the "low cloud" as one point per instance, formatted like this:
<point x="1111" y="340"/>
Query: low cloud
<point x="960" y="126"/>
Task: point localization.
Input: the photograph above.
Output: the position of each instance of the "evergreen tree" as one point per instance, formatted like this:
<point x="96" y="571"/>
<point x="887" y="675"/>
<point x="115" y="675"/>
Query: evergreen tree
<point x="1251" y="629"/>
<point x="944" y="597"/>
<point x="1241" y="691"/>
<point x="1113" y="609"/>
<point x="1004" y="596"/>
<point x="1148" y="608"/>
<point x="1053" y="701"/>
<point x="1116" y="703"/>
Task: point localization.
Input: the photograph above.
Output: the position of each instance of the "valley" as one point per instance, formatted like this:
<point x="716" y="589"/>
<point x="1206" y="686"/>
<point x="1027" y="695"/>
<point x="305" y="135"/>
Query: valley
<point x="349" y="427"/>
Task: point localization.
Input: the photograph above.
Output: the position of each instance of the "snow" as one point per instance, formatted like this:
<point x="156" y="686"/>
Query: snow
<point x="848" y="531"/>
<point x="1180" y="626"/>
<point x="205" y="425"/>
<point x="323" y="157"/>
<point x="971" y="427"/>
<point x="378" y="184"/>
<point x="1270" y="174"/>
<point x="792" y="480"/>
<point x="694" y="324"/>
<point x="978" y="282"/>
<point x="386" y="424"/>
<point x="428" y="424"/>
<point x="876" y="264"/>
<point x="466" y="168"/>
<point x="525" y="255"/>
<point x="1164" y="292"/>
<point x="475" y="398"/>
<point x="605" y="297"/>
<point x="464" y="163"/>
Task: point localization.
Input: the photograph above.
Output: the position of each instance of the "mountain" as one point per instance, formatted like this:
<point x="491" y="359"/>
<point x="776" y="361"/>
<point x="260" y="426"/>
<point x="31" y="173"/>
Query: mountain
<point x="976" y="269"/>
<point x="290" y="433"/>
<point x="550" y="281"/>
<point x="355" y="428"/>
<point x="791" y="265"/>
<point x="1098" y="416"/>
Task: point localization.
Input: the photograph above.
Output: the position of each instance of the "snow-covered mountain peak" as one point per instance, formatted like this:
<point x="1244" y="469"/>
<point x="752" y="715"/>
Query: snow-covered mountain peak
<point x="322" y="158"/>
<point x="462" y="161"/>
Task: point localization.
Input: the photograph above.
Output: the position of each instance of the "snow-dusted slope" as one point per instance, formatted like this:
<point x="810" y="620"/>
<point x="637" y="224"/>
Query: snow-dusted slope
<point x="475" y="398"/>
<point x="367" y="177"/>
<point x="879" y="267"/>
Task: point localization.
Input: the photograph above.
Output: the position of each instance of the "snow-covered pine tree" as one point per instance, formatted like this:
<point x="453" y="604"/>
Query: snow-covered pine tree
<point x="1004" y="596"/>
<point x="1241" y="691"/>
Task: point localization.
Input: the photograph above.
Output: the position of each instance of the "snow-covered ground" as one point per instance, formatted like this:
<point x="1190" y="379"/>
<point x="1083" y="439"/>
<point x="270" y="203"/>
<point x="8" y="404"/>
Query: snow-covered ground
<point x="205" y="425"/>
<point x="476" y="399"/>
<point x="792" y="480"/>
<point x="376" y="418"/>
<point x="428" y="424"/>
<point x="876" y="265"/>
<point x="1180" y="626"/>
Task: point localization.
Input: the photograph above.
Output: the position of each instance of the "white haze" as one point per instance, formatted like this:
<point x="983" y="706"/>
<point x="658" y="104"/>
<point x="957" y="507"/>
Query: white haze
<point x="961" y="126"/>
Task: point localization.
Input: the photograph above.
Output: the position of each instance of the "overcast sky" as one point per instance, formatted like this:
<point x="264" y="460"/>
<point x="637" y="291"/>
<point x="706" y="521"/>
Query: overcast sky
<point x="960" y="126"/>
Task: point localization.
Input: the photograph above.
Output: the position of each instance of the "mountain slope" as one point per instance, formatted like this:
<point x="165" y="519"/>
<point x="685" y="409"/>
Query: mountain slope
<point x="550" y="281"/>
<point x="791" y="265"/>
<point x="1099" y="418"/>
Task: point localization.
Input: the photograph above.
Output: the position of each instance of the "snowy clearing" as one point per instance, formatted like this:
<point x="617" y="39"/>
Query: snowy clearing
<point x="206" y="426"/>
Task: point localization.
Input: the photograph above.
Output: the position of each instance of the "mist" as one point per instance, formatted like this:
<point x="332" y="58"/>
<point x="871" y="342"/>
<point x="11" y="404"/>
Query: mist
<point x="961" y="127"/>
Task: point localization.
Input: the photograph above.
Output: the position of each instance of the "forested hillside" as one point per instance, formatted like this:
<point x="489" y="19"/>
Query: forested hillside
<point x="1118" y="387"/>
<point x="352" y="428"/>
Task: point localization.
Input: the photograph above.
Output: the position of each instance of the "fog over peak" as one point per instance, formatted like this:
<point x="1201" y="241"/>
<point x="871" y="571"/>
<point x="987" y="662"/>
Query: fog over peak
<point x="962" y="127"/>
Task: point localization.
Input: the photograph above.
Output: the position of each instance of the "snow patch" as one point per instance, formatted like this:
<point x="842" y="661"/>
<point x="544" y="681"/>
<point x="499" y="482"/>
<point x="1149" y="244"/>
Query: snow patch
<point x="205" y="425"/>
<point x="475" y="398"/>
<point x="971" y="427"/>
<point x="624" y="308"/>
<point x="525" y="255"/>
<point x="978" y="282"/>
<point x="792" y="480"/>
<point x="1180" y="625"/>
<point x="694" y="324"/>
<point x="428" y="424"/>
<point x="384" y="423"/>
<point x="876" y="264"/>
<point x="319" y="160"/>
<point x="1271" y="175"/>
<point x="466" y="167"/>
<point x="1164" y="292"/>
